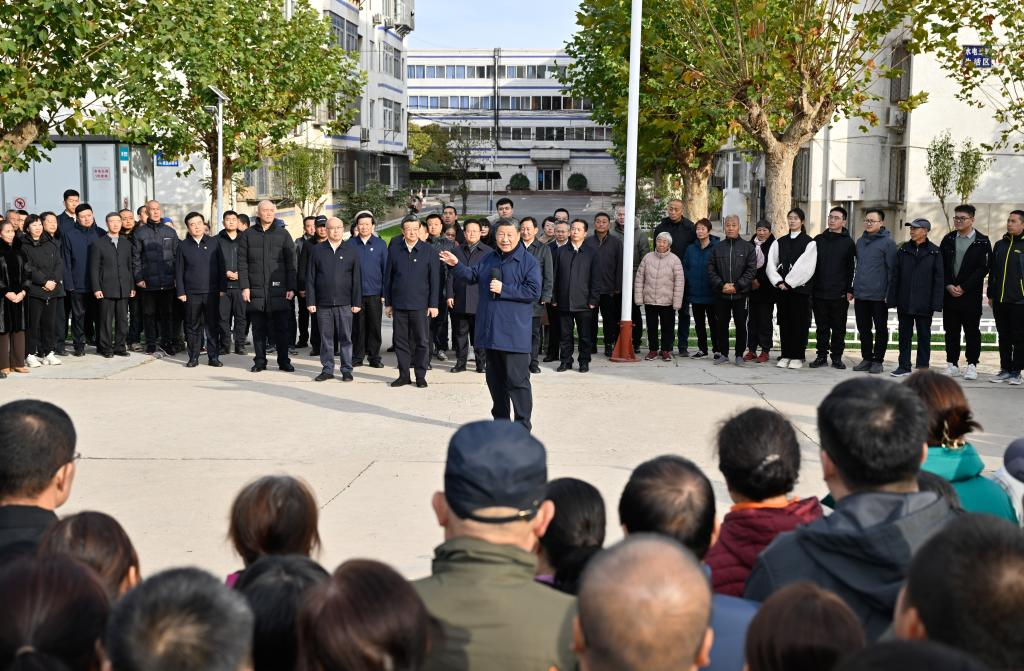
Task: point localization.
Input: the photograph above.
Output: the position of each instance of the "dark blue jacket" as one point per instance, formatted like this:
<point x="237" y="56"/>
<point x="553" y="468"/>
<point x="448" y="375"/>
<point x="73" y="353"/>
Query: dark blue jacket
<point x="229" y="252"/>
<point x="414" y="279"/>
<point x="75" y="243"/>
<point x="695" y="270"/>
<point x="65" y="222"/>
<point x="373" y="263"/>
<point x="199" y="267"/>
<point x="157" y="245"/>
<point x="730" y="618"/>
<point x="505" y="323"/>
<point x="466" y="294"/>
<point x="574" y="278"/>
<point x="333" y="276"/>
<point x="917" y="285"/>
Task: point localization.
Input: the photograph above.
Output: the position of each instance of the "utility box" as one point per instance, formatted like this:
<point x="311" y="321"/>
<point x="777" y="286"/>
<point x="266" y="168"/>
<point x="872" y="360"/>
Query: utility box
<point x="847" y="190"/>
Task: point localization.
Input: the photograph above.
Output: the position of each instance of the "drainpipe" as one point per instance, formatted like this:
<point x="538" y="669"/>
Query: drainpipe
<point x="825" y="206"/>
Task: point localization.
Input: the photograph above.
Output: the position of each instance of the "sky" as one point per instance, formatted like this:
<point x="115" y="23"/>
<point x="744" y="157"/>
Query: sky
<point x="486" y="24"/>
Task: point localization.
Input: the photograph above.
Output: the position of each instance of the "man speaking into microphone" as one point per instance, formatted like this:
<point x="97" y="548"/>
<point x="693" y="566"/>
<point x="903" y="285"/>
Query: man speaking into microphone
<point x="504" y="319"/>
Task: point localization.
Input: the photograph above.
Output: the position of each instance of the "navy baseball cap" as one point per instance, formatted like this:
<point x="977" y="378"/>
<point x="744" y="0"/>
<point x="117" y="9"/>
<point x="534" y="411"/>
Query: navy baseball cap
<point x="495" y="464"/>
<point x="320" y="220"/>
<point x="1013" y="459"/>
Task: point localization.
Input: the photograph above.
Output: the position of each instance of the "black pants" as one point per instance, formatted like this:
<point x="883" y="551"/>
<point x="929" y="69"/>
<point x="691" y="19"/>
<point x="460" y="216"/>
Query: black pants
<point x="554" y="332"/>
<point x="759" y="325"/>
<point x="177" y="321"/>
<point x="84" y="312"/>
<point x="830" y="322"/>
<point x="464" y="333"/>
<point x="610" y="306"/>
<point x="157" y="307"/>
<point x="737" y="311"/>
<point x="536" y="333"/>
<point x="954" y="318"/>
<point x="923" y="325"/>
<point x="872" y="314"/>
<point x="794" y="324"/>
<point x="272" y="325"/>
<point x="231" y="314"/>
<point x="412" y="342"/>
<point x="41" y="325"/>
<point x="366" y="330"/>
<point x="113" y="325"/>
<point x="638" y="326"/>
<point x="292" y="326"/>
<point x="684" y="328"/>
<point x="703" y="321"/>
<point x="203" y="310"/>
<point x="1010" y="326"/>
<point x="134" y="319"/>
<point x="304" y="320"/>
<point x="60" y="329"/>
<point x="583" y="321"/>
<point x="665" y="317"/>
<point x="508" y="379"/>
<point x="439" y="328"/>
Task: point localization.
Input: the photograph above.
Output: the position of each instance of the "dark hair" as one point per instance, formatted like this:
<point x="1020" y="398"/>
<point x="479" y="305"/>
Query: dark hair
<point x="274" y="588"/>
<point x="485" y="222"/>
<point x="308" y="217"/>
<point x="529" y="219"/>
<point x="31" y="219"/>
<point x="504" y="201"/>
<point x="873" y="431"/>
<point x="182" y="619"/>
<point x="123" y="210"/>
<point x="275" y="515"/>
<point x="840" y="210"/>
<point x="54" y="612"/>
<point x="967" y="584"/>
<point x="38" y="439"/>
<point x="96" y="540"/>
<point x="115" y="215"/>
<point x="576" y="533"/>
<point x="705" y="222"/>
<point x="909" y="656"/>
<point x="70" y="192"/>
<point x="880" y="213"/>
<point x="467" y="222"/>
<point x="23" y="213"/>
<point x="550" y="219"/>
<point x="83" y="207"/>
<point x="47" y="213"/>
<point x="228" y="213"/>
<point x="966" y="209"/>
<point x="802" y="626"/>
<point x="142" y="208"/>
<point x="798" y="212"/>
<point x="586" y="226"/>
<point x="930" y="482"/>
<point x="758" y="454"/>
<point x="602" y="214"/>
<point x="192" y="215"/>
<point x="1019" y="213"/>
<point x="554" y="215"/>
<point x="433" y="215"/>
<point x="244" y="218"/>
<point x="364" y="215"/>
<point x="450" y="207"/>
<point x="366" y="617"/>
<point x="504" y="222"/>
<point x="670" y="495"/>
<point x="949" y="415"/>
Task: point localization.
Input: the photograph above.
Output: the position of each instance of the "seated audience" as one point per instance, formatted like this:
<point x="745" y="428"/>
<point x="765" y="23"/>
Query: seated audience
<point x="493" y="614"/>
<point x="275" y="515"/>
<point x="99" y="542"/>
<point x="671" y="496"/>
<point x="659" y="583"/>
<point x="364" y="617"/>
<point x="965" y="589"/>
<point x="949" y="454"/>
<point x="52" y="616"/>
<point x="802" y="627"/>
<point x="910" y="656"/>
<point x="182" y="619"/>
<point x="873" y="441"/>
<point x="37" y="469"/>
<point x="574" y="536"/>
<point x="759" y="456"/>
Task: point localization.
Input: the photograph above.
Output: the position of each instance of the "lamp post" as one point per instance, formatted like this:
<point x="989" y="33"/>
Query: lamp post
<point x="221" y="99"/>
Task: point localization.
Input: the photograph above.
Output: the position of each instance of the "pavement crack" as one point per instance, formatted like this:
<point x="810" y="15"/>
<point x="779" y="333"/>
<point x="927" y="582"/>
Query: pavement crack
<point x="349" y="484"/>
<point x="778" y="410"/>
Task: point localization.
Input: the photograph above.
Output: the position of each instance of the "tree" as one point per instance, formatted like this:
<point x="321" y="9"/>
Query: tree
<point x="306" y="173"/>
<point x="373" y="198"/>
<point x="789" y="67"/>
<point x="273" y="70"/>
<point x="970" y="166"/>
<point x="460" y="162"/>
<point x="54" y="64"/>
<point x="429" y="144"/>
<point x="941" y="169"/>
<point x="682" y="121"/>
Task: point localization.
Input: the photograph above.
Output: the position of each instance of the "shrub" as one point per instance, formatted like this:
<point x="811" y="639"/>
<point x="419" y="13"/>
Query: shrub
<point x="519" y="182"/>
<point x="577" y="182"/>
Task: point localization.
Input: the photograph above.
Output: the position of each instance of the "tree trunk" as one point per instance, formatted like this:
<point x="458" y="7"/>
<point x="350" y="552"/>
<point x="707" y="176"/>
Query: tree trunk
<point x="17" y="139"/>
<point x="695" y="188"/>
<point x="778" y="169"/>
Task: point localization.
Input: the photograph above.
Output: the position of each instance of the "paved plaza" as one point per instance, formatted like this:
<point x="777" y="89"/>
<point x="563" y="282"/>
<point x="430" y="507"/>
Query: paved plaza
<point x="165" y="448"/>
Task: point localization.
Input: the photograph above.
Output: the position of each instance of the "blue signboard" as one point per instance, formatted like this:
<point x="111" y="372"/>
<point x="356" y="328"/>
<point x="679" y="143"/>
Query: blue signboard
<point x="123" y="152"/>
<point x="979" y="55"/>
<point x="162" y="163"/>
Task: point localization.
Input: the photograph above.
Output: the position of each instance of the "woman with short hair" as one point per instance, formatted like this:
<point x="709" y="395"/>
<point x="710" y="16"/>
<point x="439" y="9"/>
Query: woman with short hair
<point x="658" y="286"/>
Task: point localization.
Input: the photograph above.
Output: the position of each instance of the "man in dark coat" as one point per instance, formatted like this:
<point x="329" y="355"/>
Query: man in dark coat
<point x="309" y="235"/>
<point x="965" y="259"/>
<point x="574" y="295"/>
<point x="916" y="293"/>
<point x="373" y="269"/>
<point x="641" y="245"/>
<point x="731" y="272"/>
<point x="411" y="294"/>
<point x="761" y="302"/>
<point x="312" y="327"/>
<point x="200" y="280"/>
<point x="1006" y="296"/>
<point x="683" y="235"/>
<point x="464" y="297"/>
<point x="334" y="292"/>
<point x="833" y="288"/>
<point x="75" y="244"/>
<point x="112" y="278"/>
<point x="554" y="341"/>
<point x="541" y="252"/>
<point x="266" y="273"/>
<point x="156" y="243"/>
<point x="607" y="280"/>
<point x="231" y="307"/>
<point x="439" y="325"/>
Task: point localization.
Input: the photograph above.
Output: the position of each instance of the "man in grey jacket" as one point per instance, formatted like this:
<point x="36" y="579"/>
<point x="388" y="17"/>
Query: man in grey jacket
<point x="876" y="263"/>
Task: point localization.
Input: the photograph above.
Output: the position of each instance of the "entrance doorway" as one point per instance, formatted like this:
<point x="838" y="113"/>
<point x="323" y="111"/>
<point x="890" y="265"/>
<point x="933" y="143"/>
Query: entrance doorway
<point x="549" y="179"/>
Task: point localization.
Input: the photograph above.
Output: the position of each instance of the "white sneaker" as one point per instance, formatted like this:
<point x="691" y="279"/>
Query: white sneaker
<point x="1015" y="380"/>
<point x="783" y="363"/>
<point x="796" y="363"/>
<point x="971" y="373"/>
<point x="952" y="370"/>
<point x="52" y="360"/>
<point x="32" y="362"/>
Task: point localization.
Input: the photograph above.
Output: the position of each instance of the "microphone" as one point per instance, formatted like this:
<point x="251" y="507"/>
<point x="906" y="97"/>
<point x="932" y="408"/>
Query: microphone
<point x="495" y="275"/>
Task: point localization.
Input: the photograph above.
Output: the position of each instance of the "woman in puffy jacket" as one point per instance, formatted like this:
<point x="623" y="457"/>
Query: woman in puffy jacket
<point x="14" y="283"/>
<point x="44" y="293"/>
<point x="658" y="286"/>
<point x="698" y="286"/>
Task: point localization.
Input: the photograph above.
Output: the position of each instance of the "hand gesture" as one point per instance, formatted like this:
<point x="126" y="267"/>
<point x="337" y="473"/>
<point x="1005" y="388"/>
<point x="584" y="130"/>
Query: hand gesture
<point x="50" y="285"/>
<point x="448" y="258"/>
<point x="289" y="295"/>
<point x="495" y="286"/>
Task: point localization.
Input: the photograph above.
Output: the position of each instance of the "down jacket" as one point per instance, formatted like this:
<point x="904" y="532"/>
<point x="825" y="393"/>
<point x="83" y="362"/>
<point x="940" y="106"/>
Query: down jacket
<point x="14" y="278"/>
<point x="659" y="280"/>
<point x="266" y="267"/>
<point x="157" y="247"/>
<point x="45" y="261"/>
<point x="917" y="286"/>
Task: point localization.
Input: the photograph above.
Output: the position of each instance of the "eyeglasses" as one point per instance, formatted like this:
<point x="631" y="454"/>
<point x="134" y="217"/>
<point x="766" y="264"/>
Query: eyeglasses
<point x="962" y="218"/>
<point x="872" y="221"/>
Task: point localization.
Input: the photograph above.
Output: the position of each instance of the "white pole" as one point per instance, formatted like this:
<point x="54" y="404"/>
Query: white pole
<point x="220" y="165"/>
<point x="631" y="140"/>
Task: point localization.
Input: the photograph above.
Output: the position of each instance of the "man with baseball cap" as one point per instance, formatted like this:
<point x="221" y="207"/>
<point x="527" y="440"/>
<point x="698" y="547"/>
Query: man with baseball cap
<point x="916" y="292"/>
<point x="481" y="589"/>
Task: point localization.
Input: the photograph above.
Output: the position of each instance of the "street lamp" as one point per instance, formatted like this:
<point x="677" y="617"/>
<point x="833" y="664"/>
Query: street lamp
<point x="221" y="99"/>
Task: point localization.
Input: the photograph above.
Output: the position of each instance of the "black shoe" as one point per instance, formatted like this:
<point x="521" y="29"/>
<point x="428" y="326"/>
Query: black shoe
<point x="122" y="353"/>
<point x="608" y="353"/>
<point x="421" y="384"/>
<point x="584" y="367"/>
<point x="838" y="364"/>
<point x="167" y="349"/>
<point x="256" y="368"/>
<point x="286" y="367"/>
<point x="314" y="351"/>
<point x="376" y="364"/>
<point x="481" y="369"/>
<point x="357" y="364"/>
<point x="458" y="368"/>
<point x="192" y="363"/>
<point x="302" y="343"/>
<point x="323" y="376"/>
<point x="401" y="382"/>
<point x="150" y="349"/>
<point x="293" y="351"/>
<point x="215" y="363"/>
<point x="534" y="368"/>
<point x="108" y="355"/>
<point x="686" y="352"/>
<point x="240" y="350"/>
<point x="441" y="356"/>
<point x="225" y="350"/>
<point x="863" y="366"/>
<point x="346" y="377"/>
<point x="549" y="359"/>
<point x="391" y="349"/>
<point x="819" y="362"/>
<point x="78" y="352"/>
<point x="563" y="367"/>
<point x="429" y="367"/>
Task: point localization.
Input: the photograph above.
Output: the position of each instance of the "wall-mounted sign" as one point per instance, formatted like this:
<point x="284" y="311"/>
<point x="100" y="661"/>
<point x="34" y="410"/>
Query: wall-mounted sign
<point x="163" y="163"/>
<point x="123" y="152"/>
<point x="101" y="174"/>
<point x="979" y="55"/>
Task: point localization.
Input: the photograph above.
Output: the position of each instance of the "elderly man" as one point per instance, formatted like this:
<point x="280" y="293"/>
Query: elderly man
<point x="411" y="293"/>
<point x="156" y="243"/>
<point x="541" y="252"/>
<point x="373" y="269"/>
<point x="333" y="294"/>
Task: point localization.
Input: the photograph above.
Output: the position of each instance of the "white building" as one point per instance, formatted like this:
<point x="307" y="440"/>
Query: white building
<point x="510" y="102"/>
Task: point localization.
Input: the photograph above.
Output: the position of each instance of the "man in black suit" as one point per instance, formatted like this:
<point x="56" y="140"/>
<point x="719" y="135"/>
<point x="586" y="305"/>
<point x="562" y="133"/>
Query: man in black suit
<point x="112" y="277"/>
<point x="574" y="295"/>
<point x="554" y="339"/>
<point x="334" y="292"/>
<point x="201" y="280"/>
<point x="542" y="253"/>
<point x="410" y="296"/>
<point x="463" y="298"/>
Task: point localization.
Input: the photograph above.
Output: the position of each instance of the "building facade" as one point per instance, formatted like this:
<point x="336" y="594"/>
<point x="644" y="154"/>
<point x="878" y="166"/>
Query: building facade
<point x="511" y="106"/>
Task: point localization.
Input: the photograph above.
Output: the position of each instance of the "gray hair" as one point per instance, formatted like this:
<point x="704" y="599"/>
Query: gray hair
<point x="664" y="235"/>
<point x="730" y="216"/>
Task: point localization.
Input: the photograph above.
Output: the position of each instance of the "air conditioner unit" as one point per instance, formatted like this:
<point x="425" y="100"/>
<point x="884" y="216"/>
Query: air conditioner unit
<point x="895" y="118"/>
<point x="378" y="19"/>
<point x="389" y="22"/>
<point x="364" y="135"/>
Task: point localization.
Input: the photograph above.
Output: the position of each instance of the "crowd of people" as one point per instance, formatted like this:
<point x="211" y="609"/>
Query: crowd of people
<point x="915" y="559"/>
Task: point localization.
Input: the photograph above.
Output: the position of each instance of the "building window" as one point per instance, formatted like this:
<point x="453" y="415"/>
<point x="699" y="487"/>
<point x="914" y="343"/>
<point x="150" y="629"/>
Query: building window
<point x="734" y="167"/>
<point x="899" y="87"/>
<point x="390" y="60"/>
<point x="385" y="170"/>
<point x="898" y="175"/>
<point x="345" y="33"/>
<point x="801" y="175"/>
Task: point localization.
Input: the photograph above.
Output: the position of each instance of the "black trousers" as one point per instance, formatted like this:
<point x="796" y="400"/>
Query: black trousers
<point x="304" y="320"/>
<point x="583" y="322"/>
<point x="955" y="318"/>
<point x="665" y="317"/>
<point x="638" y="326"/>
<point x="704" y="321"/>
<point x="759" y="325"/>
<point x="135" y="319"/>
<point x="439" y="328"/>
<point x="464" y="333"/>
<point x="554" y="331"/>
<point x="684" y="328"/>
<point x="872" y="314"/>
<point x="112" y="333"/>
<point x="177" y="320"/>
<point x="231" y="314"/>
<point x="610" y="306"/>
<point x="830" y="322"/>
<point x="41" y="325"/>
<point x="536" y="333"/>
<point x="508" y="380"/>
<point x="60" y="330"/>
<point x="1010" y="327"/>
<point x="366" y="330"/>
<point x="272" y="325"/>
<point x="84" y="313"/>
<point x="412" y="342"/>
<point x="203" y="310"/>
<point x="737" y="311"/>
<point x="292" y="326"/>
<point x="794" y="324"/>
<point x="923" y="325"/>
<point x="157" y="309"/>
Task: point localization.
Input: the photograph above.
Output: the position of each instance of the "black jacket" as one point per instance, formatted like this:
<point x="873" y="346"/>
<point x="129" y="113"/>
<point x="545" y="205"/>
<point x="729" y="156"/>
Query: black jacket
<point x="733" y="260"/>
<point x="833" y="275"/>
<point x="14" y="277"/>
<point x="1006" y="281"/>
<point x="199" y="267"/>
<point x="414" y="277"/>
<point x="607" y="276"/>
<point x="973" y="269"/>
<point x="304" y="254"/>
<point x="332" y="275"/>
<point x="45" y="264"/>
<point x="542" y="253"/>
<point x="112" y="267"/>
<point x="765" y="292"/>
<point x="229" y="252"/>
<point x="21" y="529"/>
<point x="917" y="285"/>
<point x="266" y="267"/>
<point x="683" y="234"/>
<point x="466" y="294"/>
<point x="574" y="278"/>
<point x="157" y="247"/>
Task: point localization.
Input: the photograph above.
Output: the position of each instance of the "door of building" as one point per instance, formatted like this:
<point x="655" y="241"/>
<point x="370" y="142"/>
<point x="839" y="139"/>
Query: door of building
<point x="549" y="179"/>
